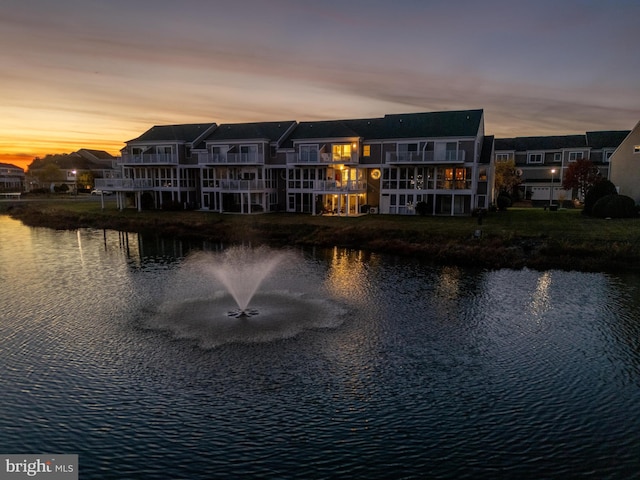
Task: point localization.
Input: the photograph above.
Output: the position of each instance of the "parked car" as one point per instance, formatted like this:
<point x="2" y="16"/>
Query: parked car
<point x="100" y="192"/>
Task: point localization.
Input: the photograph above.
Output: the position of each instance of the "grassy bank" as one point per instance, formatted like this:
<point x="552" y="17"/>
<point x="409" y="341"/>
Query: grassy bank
<point x="516" y="238"/>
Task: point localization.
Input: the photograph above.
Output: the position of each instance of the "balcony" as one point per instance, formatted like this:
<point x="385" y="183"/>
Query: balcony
<point x="123" y="184"/>
<point x="449" y="156"/>
<point x="230" y="158"/>
<point x="320" y="158"/>
<point x="235" y="185"/>
<point x="150" y="159"/>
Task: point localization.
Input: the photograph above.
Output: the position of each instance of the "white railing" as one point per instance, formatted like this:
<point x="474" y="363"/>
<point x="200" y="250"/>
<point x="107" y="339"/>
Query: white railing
<point x="226" y="158"/>
<point x="150" y="158"/>
<point x="123" y="183"/>
<point x="333" y="186"/>
<point x="316" y="157"/>
<point x="235" y="185"/>
<point x="450" y="156"/>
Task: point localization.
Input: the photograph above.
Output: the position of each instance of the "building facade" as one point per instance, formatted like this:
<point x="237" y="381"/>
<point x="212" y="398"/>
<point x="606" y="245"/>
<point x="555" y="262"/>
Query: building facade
<point x="625" y="165"/>
<point x="12" y="179"/>
<point x="542" y="161"/>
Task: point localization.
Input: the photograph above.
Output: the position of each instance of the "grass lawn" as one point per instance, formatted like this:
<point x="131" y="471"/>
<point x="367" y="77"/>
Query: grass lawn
<point x="562" y="226"/>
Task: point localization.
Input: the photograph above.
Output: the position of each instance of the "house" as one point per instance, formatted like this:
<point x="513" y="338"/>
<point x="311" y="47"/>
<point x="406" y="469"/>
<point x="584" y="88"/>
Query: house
<point x="242" y="168"/>
<point x="11" y="179"/>
<point x="542" y="161"/>
<point x="390" y="164"/>
<point x="323" y="170"/>
<point x="625" y="165"/>
<point x="76" y="171"/>
<point x="159" y="169"/>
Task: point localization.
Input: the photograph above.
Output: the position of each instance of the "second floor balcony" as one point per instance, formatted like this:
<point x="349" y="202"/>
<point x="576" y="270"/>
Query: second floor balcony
<point x="123" y="184"/>
<point x="227" y="185"/>
<point x="448" y="156"/>
<point x="150" y="159"/>
<point x="320" y="158"/>
<point x="248" y="158"/>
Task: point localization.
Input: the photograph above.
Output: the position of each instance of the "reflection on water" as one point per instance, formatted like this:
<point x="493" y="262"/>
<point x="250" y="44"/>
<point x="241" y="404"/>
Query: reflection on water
<point x="389" y="368"/>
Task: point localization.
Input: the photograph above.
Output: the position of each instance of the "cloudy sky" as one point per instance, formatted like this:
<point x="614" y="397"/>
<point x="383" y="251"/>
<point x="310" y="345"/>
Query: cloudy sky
<point x="95" y="73"/>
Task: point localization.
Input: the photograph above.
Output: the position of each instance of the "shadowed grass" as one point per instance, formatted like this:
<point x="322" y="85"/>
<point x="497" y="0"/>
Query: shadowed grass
<point x="518" y="237"/>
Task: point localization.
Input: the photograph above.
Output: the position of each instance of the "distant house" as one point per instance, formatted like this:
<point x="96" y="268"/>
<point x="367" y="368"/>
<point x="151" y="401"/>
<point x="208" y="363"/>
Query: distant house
<point x="11" y="178"/>
<point x="542" y="161"/>
<point x="625" y="165"/>
<point x="75" y="170"/>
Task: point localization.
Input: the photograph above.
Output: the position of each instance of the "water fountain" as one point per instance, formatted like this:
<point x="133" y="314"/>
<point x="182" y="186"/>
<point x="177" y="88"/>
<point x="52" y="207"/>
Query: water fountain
<point x="242" y="271"/>
<point x="244" y="295"/>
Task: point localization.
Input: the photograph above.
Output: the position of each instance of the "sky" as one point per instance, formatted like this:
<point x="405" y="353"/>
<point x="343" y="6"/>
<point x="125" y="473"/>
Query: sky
<point x="96" y="73"/>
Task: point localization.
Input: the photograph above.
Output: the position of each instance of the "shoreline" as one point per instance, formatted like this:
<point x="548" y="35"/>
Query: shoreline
<point x="424" y="238"/>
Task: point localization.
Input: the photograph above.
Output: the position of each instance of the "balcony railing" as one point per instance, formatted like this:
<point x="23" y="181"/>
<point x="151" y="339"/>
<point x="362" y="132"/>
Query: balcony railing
<point x="150" y="159"/>
<point x="450" y="156"/>
<point x="235" y="185"/>
<point x="328" y="185"/>
<point x="317" y="157"/>
<point x="229" y="158"/>
<point x="123" y="184"/>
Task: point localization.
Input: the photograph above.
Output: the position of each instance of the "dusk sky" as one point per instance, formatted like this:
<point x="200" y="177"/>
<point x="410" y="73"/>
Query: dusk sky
<point x="96" y="73"/>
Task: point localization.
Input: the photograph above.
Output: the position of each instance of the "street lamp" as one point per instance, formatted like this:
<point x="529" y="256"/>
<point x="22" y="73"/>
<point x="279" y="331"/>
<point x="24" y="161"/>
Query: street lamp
<point x="75" y="181"/>
<point x="553" y="171"/>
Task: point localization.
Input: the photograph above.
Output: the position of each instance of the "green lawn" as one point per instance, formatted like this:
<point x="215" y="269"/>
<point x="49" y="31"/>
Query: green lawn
<point x="563" y="225"/>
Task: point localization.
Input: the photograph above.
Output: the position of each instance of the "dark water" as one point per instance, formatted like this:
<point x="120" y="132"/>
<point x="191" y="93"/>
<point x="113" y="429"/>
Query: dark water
<point x="358" y="366"/>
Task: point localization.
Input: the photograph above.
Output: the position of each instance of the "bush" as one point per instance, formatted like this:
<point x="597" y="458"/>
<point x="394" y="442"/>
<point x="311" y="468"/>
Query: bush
<point x="504" y="201"/>
<point x="615" y="206"/>
<point x="596" y="192"/>
<point x="422" y="208"/>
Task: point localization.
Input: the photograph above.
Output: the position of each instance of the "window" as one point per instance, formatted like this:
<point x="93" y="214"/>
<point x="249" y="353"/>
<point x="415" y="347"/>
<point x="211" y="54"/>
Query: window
<point x="366" y="151"/>
<point x="573" y="156"/>
<point x="503" y="157"/>
<point x="636" y="149"/>
<point x="407" y="151"/>
<point x="535" y="158"/>
<point x="341" y="152"/>
<point x="248" y="153"/>
<point x="446" y="151"/>
<point x="308" y="153"/>
<point x="557" y="157"/>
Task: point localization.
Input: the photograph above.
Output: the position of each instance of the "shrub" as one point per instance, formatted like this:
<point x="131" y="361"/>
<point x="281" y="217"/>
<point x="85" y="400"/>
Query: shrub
<point x="504" y="201"/>
<point x="422" y="208"/>
<point x="596" y="192"/>
<point x="614" y="206"/>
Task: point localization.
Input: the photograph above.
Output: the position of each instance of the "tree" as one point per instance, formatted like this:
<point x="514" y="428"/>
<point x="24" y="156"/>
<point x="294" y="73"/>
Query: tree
<point x="507" y="177"/>
<point x="581" y="175"/>
<point x="598" y="190"/>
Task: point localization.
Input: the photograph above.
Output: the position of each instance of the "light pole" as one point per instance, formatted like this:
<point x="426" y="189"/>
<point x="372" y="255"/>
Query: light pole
<point x="553" y="171"/>
<point x="75" y="182"/>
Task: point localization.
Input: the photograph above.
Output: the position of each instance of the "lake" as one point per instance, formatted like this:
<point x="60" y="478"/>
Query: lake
<point x="121" y="349"/>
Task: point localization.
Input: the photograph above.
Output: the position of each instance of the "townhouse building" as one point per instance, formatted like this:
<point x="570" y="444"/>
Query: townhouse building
<point x="158" y="168"/>
<point x="542" y="161"/>
<point x="343" y="167"/>
<point x="12" y="179"/>
<point x="242" y="168"/>
<point x="625" y="165"/>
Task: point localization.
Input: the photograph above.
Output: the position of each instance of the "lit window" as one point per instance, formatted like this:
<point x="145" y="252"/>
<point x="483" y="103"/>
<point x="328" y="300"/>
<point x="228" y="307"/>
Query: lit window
<point x="341" y="152"/>
<point x="636" y="149"/>
<point x="535" y="158"/>
<point x="366" y="151"/>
